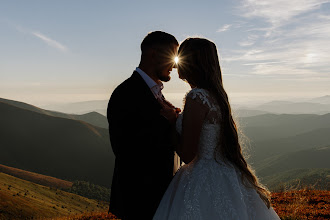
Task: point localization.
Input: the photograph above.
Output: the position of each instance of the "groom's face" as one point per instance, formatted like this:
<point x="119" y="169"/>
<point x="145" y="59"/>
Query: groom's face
<point x="165" y="62"/>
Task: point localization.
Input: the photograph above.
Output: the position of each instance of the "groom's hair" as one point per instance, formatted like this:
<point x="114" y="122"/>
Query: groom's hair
<point x="158" y="39"/>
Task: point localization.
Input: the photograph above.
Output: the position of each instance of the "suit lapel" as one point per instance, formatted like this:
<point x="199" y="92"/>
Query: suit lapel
<point x="142" y="88"/>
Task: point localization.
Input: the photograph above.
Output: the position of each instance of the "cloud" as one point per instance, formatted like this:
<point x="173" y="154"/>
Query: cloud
<point x="278" y="11"/>
<point x="284" y="40"/>
<point x="251" y="39"/>
<point x="50" y="41"/>
<point x="224" y="28"/>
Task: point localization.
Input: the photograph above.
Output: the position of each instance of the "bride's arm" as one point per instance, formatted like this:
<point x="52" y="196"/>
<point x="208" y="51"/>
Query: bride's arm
<point x="193" y="118"/>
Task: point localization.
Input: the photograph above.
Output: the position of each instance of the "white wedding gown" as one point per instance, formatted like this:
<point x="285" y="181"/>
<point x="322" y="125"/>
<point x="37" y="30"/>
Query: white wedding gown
<point x="207" y="189"/>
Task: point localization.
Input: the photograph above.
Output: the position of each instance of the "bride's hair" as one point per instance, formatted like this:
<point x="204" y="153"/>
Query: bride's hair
<point x="199" y="66"/>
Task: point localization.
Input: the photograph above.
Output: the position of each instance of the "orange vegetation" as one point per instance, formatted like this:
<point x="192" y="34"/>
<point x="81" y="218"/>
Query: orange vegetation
<point x="88" y="216"/>
<point x="302" y="204"/>
<point x="291" y="205"/>
<point x="36" y="178"/>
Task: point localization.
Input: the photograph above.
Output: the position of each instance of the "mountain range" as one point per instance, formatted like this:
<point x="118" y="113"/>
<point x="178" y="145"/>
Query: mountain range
<point x="42" y="142"/>
<point x="73" y="147"/>
<point x="99" y="106"/>
<point x="91" y="117"/>
<point x="318" y="105"/>
<point x="279" y="146"/>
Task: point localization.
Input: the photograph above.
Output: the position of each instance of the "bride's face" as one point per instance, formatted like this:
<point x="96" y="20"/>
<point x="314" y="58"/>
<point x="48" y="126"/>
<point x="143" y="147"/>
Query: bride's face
<point x="165" y="63"/>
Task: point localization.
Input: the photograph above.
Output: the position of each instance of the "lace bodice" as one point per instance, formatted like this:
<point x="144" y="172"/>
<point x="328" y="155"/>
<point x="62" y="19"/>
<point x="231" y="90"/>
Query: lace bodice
<point x="209" y="137"/>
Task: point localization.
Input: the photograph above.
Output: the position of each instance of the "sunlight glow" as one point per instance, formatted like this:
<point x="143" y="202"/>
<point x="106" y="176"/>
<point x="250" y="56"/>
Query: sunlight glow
<point x="176" y="60"/>
<point x="311" y="58"/>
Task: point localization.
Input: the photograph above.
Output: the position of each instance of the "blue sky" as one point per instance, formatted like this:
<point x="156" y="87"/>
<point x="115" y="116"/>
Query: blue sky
<point x="69" y="51"/>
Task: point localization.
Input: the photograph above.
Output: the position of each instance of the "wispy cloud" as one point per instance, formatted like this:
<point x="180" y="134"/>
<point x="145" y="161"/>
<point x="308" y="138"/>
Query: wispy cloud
<point x="284" y="38"/>
<point x="50" y="42"/>
<point x="278" y="11"/>
<point x="249" y="41"/>
<point x="224" y="28"/>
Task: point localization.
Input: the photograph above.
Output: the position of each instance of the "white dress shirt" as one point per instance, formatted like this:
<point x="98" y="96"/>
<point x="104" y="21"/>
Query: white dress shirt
<point x="155" y="88"/>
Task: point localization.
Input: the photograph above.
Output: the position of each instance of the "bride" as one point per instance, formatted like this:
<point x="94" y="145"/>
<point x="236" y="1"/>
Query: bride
<point x="216" y="182"/>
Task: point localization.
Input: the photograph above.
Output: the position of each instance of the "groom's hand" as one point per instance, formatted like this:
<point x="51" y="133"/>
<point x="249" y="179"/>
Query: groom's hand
<point x="170" y="113"/>
<point x="177" y="110"/>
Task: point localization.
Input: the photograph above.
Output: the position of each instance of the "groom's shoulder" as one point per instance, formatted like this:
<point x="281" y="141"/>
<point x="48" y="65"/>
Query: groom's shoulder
<point x="125" y="87"/>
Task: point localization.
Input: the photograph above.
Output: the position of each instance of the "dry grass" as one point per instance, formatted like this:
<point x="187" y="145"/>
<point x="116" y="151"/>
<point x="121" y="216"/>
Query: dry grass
<point x="36" y="178"/>
<point x="302" y="204"/>
<point x="22" y="199"/>
<point x="87" y="216"/>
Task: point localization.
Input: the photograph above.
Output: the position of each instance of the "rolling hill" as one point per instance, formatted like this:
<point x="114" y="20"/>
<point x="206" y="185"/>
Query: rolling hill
<point x="261" y="150"/>
<point x="99" y="106"/>
<point x="92" y="117"/>
<point x="243" y="112"/>
<point x="286" y="107"/>
<point x="316" y="158"/>
<point x="323" y="99"/>
<point x="294" y="179"/>
<point x="282" y="146"/>
<point x="59" y="147"/>
<point x="271" y="126"/>
<point x="21" y="199"/>
<point x="36" y="178"/>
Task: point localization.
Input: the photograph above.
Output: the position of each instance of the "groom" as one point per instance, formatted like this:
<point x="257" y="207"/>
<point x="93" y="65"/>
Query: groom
<point x="140" y="123"/>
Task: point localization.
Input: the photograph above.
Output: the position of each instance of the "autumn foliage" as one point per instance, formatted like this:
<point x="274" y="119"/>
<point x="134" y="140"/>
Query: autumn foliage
<point x="291" y="205"/>
<point x="302" y="204"/>
<point x="89" y="216"/>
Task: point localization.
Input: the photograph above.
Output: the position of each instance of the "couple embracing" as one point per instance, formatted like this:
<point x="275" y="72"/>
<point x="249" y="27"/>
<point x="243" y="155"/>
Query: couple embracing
<point x="146" y="130"/>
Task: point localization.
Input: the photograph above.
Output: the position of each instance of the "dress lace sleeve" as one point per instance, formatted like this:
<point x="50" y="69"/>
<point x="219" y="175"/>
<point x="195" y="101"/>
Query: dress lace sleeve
<point x="205" y="98"/>
<point x="199" y="95"/>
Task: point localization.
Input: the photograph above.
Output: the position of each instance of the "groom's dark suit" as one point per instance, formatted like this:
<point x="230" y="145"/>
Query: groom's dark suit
<point x="140" y="140"/>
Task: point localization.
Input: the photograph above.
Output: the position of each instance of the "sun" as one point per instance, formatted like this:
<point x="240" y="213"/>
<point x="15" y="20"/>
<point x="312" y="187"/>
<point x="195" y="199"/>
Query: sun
<point x="176" y="60"/>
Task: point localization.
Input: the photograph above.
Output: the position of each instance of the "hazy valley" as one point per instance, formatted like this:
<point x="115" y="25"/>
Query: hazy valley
<point x="287" y="144"/>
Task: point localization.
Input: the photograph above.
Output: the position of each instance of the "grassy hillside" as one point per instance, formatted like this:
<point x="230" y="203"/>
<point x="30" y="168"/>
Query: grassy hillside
<point x="36" y="178"/>
<point x="289" y="205"/>
<point x="261" y="150"/>
<point x="83" y="188"/>
<point x="316" y="178"/>
<point x="304" y="159"/>
<point x="21" y="199"/>
<point x="58" y="147"/>
<point x="93" y="118"/>
<point x="289" y="150"/>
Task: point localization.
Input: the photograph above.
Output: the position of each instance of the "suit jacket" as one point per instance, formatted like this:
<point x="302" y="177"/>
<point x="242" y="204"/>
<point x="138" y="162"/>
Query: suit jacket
<point x="140" y="140"/>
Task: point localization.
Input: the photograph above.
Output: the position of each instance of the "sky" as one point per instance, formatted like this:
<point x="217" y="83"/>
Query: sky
<point x="70" y="51"/>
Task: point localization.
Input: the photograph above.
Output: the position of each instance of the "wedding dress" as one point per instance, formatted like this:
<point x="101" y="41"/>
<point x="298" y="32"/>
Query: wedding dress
<point x="206" y="188"/>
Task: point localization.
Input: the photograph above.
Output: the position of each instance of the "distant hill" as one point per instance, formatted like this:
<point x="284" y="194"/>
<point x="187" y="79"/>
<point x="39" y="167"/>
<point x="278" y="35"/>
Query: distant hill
<point x="302" y="159"/>
<point x="323" y="100"/>
<point x="92" y="117"/>
<point x="21" y="199"/>
<point x="99" y="106"/>
<point x="261" y="150"/>
<point x="277" y="144"/>
<point x="59" y="147"/>
<point x="271" y="126"/>
<point x="285" y="107"/>
<point x="241" y="112"/>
